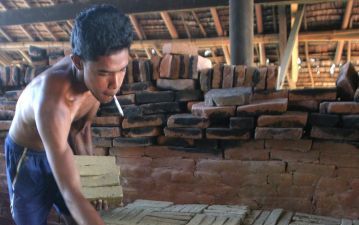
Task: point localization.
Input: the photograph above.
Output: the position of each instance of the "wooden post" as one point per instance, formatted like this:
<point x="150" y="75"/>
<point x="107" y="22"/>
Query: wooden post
<point x="288" y="51"/>
<point x="241" y="31"/>
<point x="295" y="54"/>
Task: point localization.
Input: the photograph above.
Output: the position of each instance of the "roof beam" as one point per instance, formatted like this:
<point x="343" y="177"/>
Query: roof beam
<point x="203" y="31"/>
<point x="226" y="53"/>
<point x="185" y="25"/>
<point x="259" y="19"/>
<point x="22" y="28"/>
<point x="7" y="37"/>
<point x="25" y="56"/>
<point x="289" y="2"/>
<point x="345" y="23"/>
<point x="282" y="20"/>
<point x="320" y="36"/>
<point x="45" y="25"/>
<point x="140" y="34"/>
<point x="169" y="24"/>
<point x="289" y="49"/>
<point x="217" y="22"/>
<point x="219" y="29"/>
<point x="62" y="12"/>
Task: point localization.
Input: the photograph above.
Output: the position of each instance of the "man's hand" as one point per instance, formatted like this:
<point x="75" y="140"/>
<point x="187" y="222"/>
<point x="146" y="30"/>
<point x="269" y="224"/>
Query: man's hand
<point x="100" y="204"/>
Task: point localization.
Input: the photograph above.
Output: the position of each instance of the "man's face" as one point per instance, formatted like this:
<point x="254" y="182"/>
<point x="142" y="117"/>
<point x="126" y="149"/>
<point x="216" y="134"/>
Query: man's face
<point x="104" y="76"/>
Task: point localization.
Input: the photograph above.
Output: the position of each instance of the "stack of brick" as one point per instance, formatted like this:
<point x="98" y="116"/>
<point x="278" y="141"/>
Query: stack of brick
<point x="228" y="76"/>
<point x="239" y="141"/>
<point x="12" y="77"/>
<point x="348" y="83"/>
<point x="336" y="121"/>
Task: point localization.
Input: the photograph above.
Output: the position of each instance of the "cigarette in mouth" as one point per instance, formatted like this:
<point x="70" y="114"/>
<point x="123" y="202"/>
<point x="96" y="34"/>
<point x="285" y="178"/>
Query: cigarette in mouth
<point x="118" y="106"/>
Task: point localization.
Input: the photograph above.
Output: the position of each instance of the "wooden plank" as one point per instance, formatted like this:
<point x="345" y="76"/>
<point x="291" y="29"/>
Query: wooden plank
<point x="182" y="14"/>
<point x="262" y="218"/>
<point x="282" y="20"/>
<point x="261" y="46"/>
<point x="333" y="35"/>
<point x="289" y="49"/>
<point x="25" y="56"/>
<point x="304" y="217"/>
<point x="169" y="24"/>
<point x="203" y="31"/>
<point x="220" y="220"/>
<point x="62" y="12"/>
<point x="217" y="21"/>
<point x="6" y="36"/>
<point x="226" y="54"/>
<point x="346" y="222"/>
<point x="197" y="219"/>
<point x="285" y="219"/>
<point x="274" y="217"/>
<point x="149" y="204"/>
<point x="345" y="24"/>
<point x="234" y="221"/>
<point x="253" y="215"/>
<point x="138" y="29"/>
<point x="190" y="208"/>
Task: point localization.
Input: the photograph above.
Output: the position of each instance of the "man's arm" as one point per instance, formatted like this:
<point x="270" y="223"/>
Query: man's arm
<point x="81" y="134"/>
<point x="53" y="121"/>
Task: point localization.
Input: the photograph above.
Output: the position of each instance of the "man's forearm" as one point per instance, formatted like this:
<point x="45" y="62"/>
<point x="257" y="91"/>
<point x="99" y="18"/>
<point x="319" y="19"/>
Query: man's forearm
<point x="85" y="214"/>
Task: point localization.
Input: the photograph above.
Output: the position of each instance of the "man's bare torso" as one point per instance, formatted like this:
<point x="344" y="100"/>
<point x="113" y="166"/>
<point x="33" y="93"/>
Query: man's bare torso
<point x="79" y="101"/>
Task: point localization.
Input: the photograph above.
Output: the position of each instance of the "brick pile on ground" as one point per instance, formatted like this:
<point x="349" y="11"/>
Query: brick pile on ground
<point x="160" y="212"/>
<point x="16" y="77"/>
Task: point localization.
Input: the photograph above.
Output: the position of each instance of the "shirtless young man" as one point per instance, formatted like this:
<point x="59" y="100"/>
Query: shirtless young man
<point x="53" y="118"/>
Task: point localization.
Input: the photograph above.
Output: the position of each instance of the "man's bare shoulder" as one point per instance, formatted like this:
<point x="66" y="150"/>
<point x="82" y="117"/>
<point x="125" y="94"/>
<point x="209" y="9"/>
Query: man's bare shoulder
<point x="55" y="81"/>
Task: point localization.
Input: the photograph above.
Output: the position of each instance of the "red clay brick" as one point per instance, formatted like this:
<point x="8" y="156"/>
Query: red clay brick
<point x="315" y="169"/>
<point x="343" y="107"/>
<point x="246" y="154"/>
<point x="278" y="133"/>
<point x="289" y="119"/>
<point x="201" y="110"/>
<point x="106" y="131"/>
<point x="274" y="106"/>
<point x="301" y="145"/>
<point x="180" y="132"/>
<point x="334" y="133"/>
<point x="106" y="121"/>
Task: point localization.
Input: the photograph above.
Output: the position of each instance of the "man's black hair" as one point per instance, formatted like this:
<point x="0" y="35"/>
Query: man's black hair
<point x="100" y="30"/>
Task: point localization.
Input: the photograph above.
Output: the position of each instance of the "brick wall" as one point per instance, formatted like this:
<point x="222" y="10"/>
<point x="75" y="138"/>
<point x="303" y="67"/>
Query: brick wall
<point x="185" y="141"/>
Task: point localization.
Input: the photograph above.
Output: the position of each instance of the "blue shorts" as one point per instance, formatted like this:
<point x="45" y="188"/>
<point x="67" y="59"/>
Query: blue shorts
<point x="35" y="190"/>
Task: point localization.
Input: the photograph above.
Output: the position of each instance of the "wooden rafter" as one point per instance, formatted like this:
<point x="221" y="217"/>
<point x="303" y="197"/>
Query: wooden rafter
<point x="345" y="23"/>
<point x="289" y="48"/>
<point x="158" y="52"/>
<point x="25" y="56"/>
<point x="203" y="31"/>
<point x="349" y="51"/>
<point x="306" y="49"/>
<point x="169" y="24"/>
<point x="148" y="53"/>
<point x="138" y="29"/>
<point x="217" y="22"/>
<point x="185" y="25"/>
<point x="219" y="29"/>
<point x="214" y="55"/>
<point x="282" y="19"/>
<point x="62" y="12"/>
<point x="259" y="19"/>
<point x="27" y="4"/>
<point x="6" y="36"/>
<point x="226" y="53"/>
<point x="334" y="35"/>
<point x="22" y="28"/>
